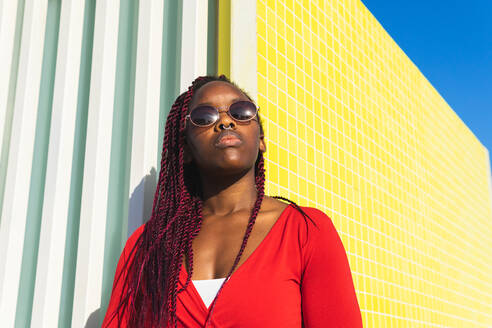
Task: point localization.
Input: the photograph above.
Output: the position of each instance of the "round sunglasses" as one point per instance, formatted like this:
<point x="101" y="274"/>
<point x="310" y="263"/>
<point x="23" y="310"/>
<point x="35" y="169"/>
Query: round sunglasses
<point x="241" y="111"/>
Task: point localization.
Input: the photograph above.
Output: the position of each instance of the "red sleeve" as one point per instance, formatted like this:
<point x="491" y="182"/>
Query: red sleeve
<point x="111" y="318"/>
<point x="328" y="294"/>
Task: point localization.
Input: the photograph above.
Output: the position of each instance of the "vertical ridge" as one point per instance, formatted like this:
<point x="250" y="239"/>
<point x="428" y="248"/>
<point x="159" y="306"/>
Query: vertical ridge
<point x="38" y="175"/>
<point x="20" y="174"/>
<point x="212" y="38"/>
<point x="171" y="63"/>
<point x="8" y="115"/>
<point x="119" y="171"/>
<point x="224" y="38"/>
<point x="77" y="172"/>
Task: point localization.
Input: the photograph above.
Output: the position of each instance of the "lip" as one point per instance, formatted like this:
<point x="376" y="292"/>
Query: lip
<point x="228" y="139"/>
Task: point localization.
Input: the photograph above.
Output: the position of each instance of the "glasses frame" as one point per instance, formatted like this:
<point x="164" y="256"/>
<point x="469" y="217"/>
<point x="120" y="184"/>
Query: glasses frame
<point x="257" y="108"/>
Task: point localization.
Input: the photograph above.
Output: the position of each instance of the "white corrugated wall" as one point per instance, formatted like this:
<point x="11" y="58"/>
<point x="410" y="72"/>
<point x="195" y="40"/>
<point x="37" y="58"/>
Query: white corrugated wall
<point x="85" y="87"/>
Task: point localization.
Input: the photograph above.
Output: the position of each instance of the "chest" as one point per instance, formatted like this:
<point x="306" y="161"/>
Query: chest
<point x="265" y="291"/>
<point x="217" y="244"/>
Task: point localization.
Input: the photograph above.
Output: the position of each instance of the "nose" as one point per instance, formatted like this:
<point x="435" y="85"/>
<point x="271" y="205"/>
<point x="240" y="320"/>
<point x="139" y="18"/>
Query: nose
<point x="224" y="127"/>
<point x="225" y="122"/>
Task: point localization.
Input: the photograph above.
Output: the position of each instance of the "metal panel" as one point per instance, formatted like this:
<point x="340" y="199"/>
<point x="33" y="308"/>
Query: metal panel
<point x="171" y="63"/>
<point x="243" y="46"/>
<point x="119" y="171"/>
<point x="39" y="164"/>
<point x="18" y="176"/>
<point x="212" y="38"/>
<point x="194" y="41"/>
<point x="8" y="76"/>
<point x="88" y="279"/>
<point x="64" y="221"/>
<point x="8" y="14"/>
<point x="143" y="174"/>
<point x="76" y="178"/>
<point x="47" y="293"/>
<point x="224" y="38"/>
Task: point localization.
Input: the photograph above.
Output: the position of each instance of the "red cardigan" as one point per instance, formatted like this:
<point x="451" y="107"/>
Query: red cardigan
<point x="298" y="276"/>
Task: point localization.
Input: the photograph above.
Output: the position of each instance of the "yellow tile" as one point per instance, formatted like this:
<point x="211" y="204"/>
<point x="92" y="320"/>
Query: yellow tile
<point x="272" y="152"/>
<point x="326" y="63"/>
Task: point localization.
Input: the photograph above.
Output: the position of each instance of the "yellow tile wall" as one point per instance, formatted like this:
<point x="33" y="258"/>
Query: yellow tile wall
<point x="355" y="129"/>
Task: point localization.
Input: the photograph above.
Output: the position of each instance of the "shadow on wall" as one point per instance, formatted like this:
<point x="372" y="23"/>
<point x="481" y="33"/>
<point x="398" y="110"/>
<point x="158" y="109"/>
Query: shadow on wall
<point x="139" y="211"/>
<point x="93" y="320"/>
<point x="141" y="200"/>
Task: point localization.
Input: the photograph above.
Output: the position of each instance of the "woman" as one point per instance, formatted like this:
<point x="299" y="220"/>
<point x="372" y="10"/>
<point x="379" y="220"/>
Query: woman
<point x="187" y="266"/>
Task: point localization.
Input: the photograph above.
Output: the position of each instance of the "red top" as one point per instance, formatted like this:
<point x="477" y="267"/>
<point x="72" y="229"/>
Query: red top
<point x="298" y="276"/>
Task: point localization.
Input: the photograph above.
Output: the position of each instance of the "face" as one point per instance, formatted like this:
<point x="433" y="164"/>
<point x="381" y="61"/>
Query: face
<point x="215" y="148"/>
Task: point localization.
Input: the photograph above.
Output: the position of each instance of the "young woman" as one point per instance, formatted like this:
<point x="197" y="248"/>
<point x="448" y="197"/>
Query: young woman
<point x="216" y="251"/>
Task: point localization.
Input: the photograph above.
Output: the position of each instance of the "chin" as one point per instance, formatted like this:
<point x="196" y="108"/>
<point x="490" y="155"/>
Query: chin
<point x="233" y="168"/>
<point x="232" y="158"/>
<point x="230" y="163"/>
<point x="230" y="168"/>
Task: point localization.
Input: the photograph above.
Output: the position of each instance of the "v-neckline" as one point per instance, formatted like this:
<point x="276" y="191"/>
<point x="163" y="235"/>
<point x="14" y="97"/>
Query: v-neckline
<point x="239" y="268"/>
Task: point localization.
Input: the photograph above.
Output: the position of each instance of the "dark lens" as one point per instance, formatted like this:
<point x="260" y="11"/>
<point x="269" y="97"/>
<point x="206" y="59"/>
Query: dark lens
<point x="243" y="110"/>
<point x="204" y="115"/>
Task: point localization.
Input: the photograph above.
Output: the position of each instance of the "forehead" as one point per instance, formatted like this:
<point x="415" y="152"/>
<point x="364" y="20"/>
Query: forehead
<point x="217" y="93"/>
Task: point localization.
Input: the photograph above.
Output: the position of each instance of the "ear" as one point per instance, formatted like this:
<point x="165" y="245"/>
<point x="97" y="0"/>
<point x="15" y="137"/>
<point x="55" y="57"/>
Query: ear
<point x="262" y="143"/>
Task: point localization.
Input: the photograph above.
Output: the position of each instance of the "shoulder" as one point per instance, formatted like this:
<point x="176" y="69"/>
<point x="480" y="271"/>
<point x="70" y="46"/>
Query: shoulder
<point x="315" y="219"/>
<point x="323" y="243"/>
<point x="316" y="228"/>
<point x="127" y="255"/>
<point x="136" y="234"/>
<point x="316" y="214"/>
<point x="295" y="211"/>
<point x="132" y="240"/>
<point x="317" y="237"/>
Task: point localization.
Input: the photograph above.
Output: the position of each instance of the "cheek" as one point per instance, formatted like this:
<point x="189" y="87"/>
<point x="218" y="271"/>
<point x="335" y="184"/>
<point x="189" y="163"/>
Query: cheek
<point x="198" y="147"/>
<point x="255" y="135"/>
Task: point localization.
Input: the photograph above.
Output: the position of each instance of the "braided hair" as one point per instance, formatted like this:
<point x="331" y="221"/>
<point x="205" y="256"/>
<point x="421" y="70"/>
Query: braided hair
<point x="150" y="276"/>
<point x="150" y="283"/>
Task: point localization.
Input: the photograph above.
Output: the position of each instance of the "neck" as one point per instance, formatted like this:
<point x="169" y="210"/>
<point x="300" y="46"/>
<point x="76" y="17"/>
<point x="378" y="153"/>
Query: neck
<point x="226" y="195"/>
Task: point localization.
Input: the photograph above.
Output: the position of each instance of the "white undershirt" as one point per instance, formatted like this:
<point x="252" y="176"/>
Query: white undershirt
<point x="207" y="289"/>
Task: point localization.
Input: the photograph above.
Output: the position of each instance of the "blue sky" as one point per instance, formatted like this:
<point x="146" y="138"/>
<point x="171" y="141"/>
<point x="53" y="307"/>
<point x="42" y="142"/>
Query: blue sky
<point x="451" y="43"/>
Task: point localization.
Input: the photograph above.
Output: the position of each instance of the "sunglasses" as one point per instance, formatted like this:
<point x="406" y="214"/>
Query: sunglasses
<point x="241" y="111"/>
